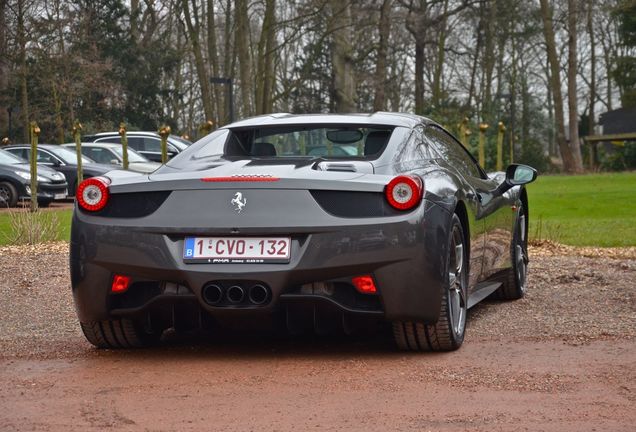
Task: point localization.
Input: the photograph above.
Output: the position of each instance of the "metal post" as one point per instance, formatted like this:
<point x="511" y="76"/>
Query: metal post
<point x="10" y="112"/>
<point x="230" y="94"/>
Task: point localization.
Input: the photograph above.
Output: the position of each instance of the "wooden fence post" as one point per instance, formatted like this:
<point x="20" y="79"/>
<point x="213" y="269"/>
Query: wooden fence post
<point x="124" y="145"/>
<point x="164" y="132"/>
<point x="35" y="132"/>
<point x="500" y="137"/>
<point x="77" y="136"/>
<point x="482" y="144"/>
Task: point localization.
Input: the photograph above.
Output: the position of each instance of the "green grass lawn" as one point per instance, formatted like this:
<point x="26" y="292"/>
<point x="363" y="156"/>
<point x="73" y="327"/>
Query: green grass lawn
<point x="586" y="210"/>
<point x="62" y="228"/>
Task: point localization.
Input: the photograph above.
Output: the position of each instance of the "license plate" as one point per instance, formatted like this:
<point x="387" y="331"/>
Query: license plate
<point x="237" y="250"/>
<point x="60" y="196"/>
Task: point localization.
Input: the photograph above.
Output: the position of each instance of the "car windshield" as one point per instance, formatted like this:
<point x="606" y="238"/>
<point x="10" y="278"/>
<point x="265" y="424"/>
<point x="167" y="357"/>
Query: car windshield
<point x="9" y="159"/>
<point x="68" y="156"/>
<point x="133" y="156"/>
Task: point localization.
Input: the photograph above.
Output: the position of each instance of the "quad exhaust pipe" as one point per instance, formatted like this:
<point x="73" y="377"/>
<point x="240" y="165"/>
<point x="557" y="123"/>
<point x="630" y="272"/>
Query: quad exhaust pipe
<point x="235" y="294"/>
<point x="258" y="294"/>
<point x="215" y="295"/>
<point x="212" y="294"/>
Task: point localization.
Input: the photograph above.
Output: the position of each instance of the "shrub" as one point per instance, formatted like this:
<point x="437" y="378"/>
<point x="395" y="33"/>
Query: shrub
<point x="29" y="228"/>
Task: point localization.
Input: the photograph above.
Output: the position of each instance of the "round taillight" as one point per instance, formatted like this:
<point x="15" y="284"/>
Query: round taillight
<point x="404" y="192"/>
<point x="92" y="194"/>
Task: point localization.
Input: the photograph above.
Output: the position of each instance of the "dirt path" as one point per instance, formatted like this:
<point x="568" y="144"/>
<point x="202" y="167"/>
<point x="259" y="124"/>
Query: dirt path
<point x="561" y="359"/>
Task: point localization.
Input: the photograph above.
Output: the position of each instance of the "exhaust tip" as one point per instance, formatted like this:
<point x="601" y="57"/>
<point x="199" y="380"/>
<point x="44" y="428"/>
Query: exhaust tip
<point x="235" y="294"/>
<point x="258" y="294"/>
<point x="212" y="294"/>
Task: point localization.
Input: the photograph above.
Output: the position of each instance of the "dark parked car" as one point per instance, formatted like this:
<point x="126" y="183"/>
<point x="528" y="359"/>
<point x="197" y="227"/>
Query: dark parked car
<point x="112" y="154"/>
<point x="147" y="144"/>
<point x="61" y="159"/>
<point x="270" y="217"/>
<point x="15" y="182"/>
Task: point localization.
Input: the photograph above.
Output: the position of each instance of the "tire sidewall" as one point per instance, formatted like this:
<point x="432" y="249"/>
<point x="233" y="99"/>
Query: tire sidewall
<point x="456" y="338"/>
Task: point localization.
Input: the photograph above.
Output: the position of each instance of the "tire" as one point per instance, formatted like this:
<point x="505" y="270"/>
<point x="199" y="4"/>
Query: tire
<point x="447" y="334"/>
<point x="8" y="195"/>
<point x="514" y="285"/>
<point x="117" y="334"/>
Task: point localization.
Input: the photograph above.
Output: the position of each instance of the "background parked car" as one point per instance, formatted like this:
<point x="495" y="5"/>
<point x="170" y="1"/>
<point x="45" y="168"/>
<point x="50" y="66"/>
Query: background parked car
<point x="61" y="159"/>
<point x="15" y="182"/>
<point x="147" y="144"/>
<point x="112" y="154"/>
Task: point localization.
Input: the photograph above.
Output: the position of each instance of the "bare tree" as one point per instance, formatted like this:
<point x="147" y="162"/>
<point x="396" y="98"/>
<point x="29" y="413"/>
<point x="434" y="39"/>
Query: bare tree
<point x="342" y="57"/>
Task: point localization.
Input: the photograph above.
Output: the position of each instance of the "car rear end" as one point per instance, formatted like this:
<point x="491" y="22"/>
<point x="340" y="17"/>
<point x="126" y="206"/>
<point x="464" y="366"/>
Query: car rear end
<point x="251" y="239"/>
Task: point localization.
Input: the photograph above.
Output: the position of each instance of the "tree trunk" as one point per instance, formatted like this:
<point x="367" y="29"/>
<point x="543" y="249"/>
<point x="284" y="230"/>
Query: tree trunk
<point x="555" y="82"/>
<point x="379" y="80"/>
<point x="489" y="61"/>
<point x="134" y="20"/>
<point x="265" y="60"/>
<point x="439" y="64"/>
<point x="419" y="76"/>
<point x="473" y="70"/>
<point x="592" y="113"/>
<point x="243" y="53"/>
<point x="4" y="71"/>
<point x="202" y="76"/>
<point x="24" y="94"/>
<point x="344" y="89"/>
<point x="575" y="146"/>
<point x="213" y="57"/>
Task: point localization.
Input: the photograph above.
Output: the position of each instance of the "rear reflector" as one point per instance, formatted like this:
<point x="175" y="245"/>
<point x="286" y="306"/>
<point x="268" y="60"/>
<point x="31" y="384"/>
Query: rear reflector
<point x="120" y="284"/>
<point x="364" y="284"/>
<point x="241" y="178"/>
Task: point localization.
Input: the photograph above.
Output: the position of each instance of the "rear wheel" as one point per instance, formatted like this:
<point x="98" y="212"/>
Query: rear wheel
<point x="121" y="333"/>
<point x="514" y="286"/>
<point x="447" y="333"/>
<point x="8" y="195"/>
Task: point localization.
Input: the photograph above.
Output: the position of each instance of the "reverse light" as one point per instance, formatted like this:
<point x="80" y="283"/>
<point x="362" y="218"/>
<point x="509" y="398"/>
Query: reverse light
<point x="120" y="284"/>
<point x="92" y="194"/>
<point x="364" y="284"/>
<point x="404" y="192"/>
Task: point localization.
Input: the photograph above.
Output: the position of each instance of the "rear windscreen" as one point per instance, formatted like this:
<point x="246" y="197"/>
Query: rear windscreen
<point x="294" y="142"/>
<point x="319" y="141"/>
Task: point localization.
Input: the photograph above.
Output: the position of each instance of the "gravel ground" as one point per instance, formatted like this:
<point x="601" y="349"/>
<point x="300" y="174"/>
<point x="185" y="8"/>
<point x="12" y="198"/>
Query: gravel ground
<point x="562" y="358"/>
<point x="572" y="297"/>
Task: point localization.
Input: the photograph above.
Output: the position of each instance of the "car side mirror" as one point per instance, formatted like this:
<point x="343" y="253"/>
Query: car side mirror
<point x="56" y="163"/>
<point x="114" y="162"/>
<point x="517" y="175"/>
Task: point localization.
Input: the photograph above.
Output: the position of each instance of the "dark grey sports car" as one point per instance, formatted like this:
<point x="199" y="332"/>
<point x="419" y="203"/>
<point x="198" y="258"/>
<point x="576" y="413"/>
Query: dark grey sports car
<point x="321" y="221"/>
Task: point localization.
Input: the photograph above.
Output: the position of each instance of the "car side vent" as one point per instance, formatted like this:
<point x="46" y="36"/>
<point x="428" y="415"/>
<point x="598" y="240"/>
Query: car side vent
<point x="342" y="167"/>
<point x="133" y="205"/>
<point x="354" y="204"/>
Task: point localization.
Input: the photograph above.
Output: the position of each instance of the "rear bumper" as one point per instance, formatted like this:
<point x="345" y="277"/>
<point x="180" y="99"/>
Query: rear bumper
<point x="405" y="254"/>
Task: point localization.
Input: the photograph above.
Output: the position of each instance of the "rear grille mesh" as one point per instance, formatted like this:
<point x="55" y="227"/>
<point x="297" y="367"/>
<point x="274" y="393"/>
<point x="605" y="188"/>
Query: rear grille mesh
<point x="354" y="204"/>
<point x="133" y="205"/>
